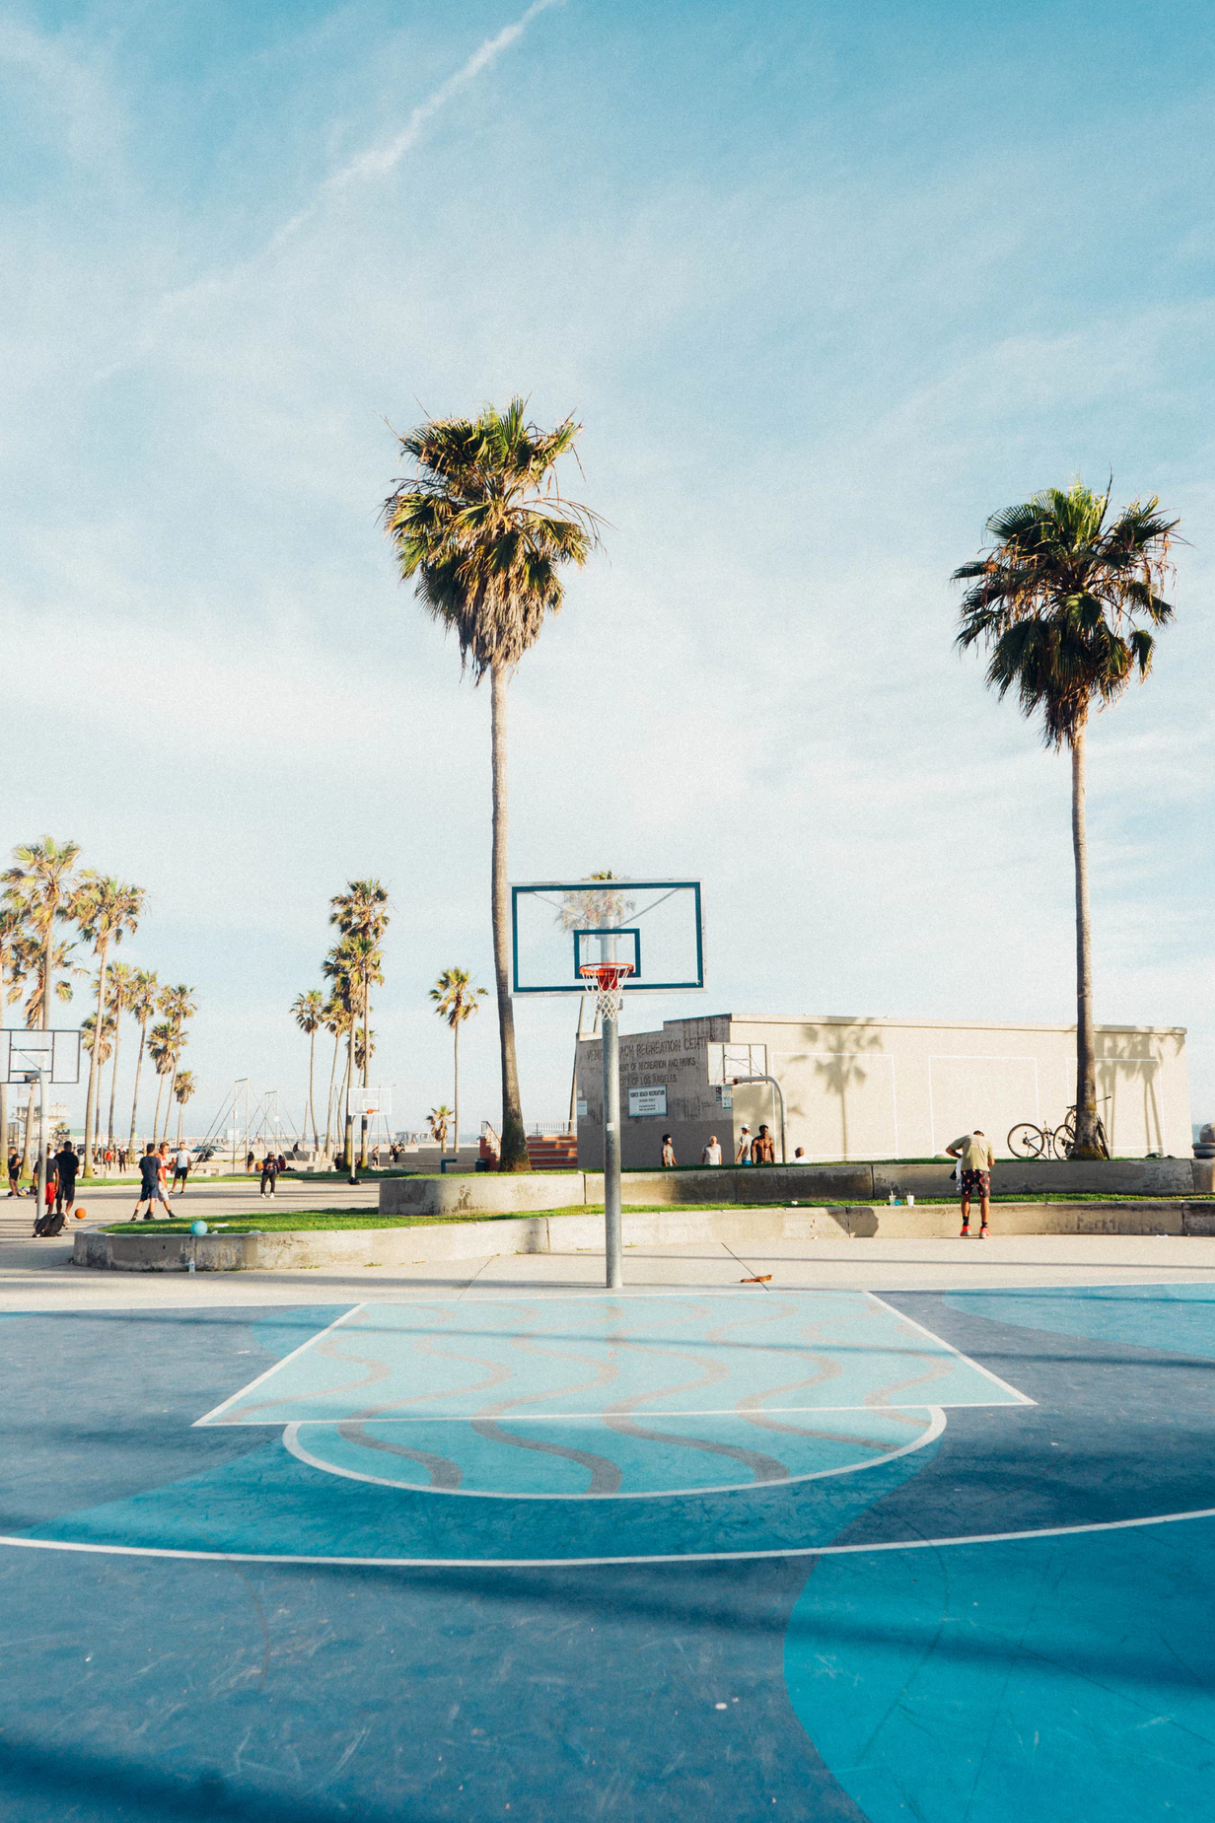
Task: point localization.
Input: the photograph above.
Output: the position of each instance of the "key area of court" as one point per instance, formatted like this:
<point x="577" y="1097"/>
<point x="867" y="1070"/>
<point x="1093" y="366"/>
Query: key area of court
<point x="673" y="1553"/>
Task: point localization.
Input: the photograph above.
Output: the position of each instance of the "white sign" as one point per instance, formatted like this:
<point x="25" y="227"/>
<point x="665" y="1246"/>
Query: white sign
<point x="647" y="1101"/>
<point x="581" y="1110"/>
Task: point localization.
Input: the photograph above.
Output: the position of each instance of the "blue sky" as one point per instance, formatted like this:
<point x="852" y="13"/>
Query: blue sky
<point x="826" y="286"/>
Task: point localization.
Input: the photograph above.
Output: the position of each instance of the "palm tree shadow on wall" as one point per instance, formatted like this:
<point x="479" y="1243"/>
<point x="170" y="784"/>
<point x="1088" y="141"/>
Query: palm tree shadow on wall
<point x="1127" y="1058"/>
<point x="847" y="1042"/>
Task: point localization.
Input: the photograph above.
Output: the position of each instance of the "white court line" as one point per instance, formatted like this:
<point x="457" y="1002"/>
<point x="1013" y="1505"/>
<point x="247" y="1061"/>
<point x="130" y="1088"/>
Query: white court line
<point x="929" y="1435"/>
<point x="1020" y="1397"/>
<point x="582" y="1563"/>
<point x="211" y="1416"/>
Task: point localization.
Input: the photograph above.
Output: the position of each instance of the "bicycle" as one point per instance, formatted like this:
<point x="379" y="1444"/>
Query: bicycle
<point x="1026" y="1140"/>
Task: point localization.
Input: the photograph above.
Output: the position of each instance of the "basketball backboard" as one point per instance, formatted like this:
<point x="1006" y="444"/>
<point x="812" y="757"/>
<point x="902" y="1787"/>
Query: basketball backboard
<point x="371" y="1101"/>
<point x="25" y="1054"/>
<point x="728" y="1061"/>
<point x="559" y="927"/>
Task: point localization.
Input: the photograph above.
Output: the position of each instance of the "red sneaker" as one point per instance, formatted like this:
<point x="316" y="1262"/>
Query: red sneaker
<point x="985" y="1233"/>
<point x="965" y="1234"/>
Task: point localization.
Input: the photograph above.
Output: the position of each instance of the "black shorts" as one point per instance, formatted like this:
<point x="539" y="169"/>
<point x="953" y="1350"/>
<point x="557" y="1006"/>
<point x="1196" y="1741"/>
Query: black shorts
<point x="974" y="1183"/>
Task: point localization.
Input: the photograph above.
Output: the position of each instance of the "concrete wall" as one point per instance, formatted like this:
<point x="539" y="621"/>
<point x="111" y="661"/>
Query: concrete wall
<point x="744" y="1230"/>
<point x="874" y="1088"/>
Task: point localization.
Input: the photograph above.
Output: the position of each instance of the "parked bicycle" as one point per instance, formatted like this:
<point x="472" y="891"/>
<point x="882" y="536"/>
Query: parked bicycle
<point x="1029" y="1141"/>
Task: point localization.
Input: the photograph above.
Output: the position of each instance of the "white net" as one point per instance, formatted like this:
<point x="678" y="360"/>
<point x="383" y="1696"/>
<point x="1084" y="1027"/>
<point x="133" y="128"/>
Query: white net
<point x="603" y="984"/>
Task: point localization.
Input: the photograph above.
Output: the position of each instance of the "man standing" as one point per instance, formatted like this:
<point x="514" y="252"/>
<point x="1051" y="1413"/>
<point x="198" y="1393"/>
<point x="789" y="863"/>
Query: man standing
<point x="763" y="1148"/>
<point x="151" y="1190"/>
<point x="181" y="1170"/>
<point x="743" y="1156"/>
<point x="712" y="1152"/>
<point x="269" y="1174"/>
<point x="668" y="1151"/>
<point x="66" y="1166"/>
<point x="14" y="1172"/>
<point x="975" y="1160"/>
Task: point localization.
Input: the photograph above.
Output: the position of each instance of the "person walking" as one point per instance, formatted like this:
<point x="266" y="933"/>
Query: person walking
<point x="45" y="1221"/>
<point x="269" y="1174"/>
<point x="181" y="1170"/>
<point x="248" y="1162"/>
<point x="743" y="1155"/>
<point x="67" y="1164"/>
<point x="763" y="1148"/>
<point x="14" y="1172"/>
<point x="668" y="1151"/>
<point x="712" y="1152"/>
<point x="975" y="1160"/>
<point x="151" y="1185"/>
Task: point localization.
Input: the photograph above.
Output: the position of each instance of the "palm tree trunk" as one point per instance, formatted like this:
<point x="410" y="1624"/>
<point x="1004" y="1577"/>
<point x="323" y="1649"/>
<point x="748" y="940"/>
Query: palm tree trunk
<point x="91" y="1094"/>
<point x="1086" y="1145"/>
<point x="311" y="1061"/>
<point x="143" y="1032"/>
<point x="156" y="1119"/>
<point x="337" y="1039"/>
<point x="366" y="1070"/>
<point x="513" y="1156"/>
<point x="114" y="1072"/>
<point x="455" y="1037"/>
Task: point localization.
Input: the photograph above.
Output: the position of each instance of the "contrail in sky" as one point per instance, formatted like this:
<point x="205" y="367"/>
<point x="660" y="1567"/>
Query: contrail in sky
<point x="378" y="161"/>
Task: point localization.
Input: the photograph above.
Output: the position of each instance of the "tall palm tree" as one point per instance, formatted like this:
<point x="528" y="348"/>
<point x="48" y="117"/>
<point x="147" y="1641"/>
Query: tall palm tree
<point x="178" y="1008"/>
<point x="104" y="909"/>
<point x="41" y="885"/>
<point x="183" y="1091"/>
<point x="145" y="996"/>
<point x="334" y="1017"/>
<point x="309" y="1012"/>
<point x="13" y="962"/>
<point x="483" y="531"/>
<point x="348" y="965"/>
<point x="456" y="1000"/>
<point x="361" y="914"/>
<point x="164" y="1047"/>
<point x="99" y="1052"/>
<point x="1057" y="600"/>
<point x="118" y="1002"/>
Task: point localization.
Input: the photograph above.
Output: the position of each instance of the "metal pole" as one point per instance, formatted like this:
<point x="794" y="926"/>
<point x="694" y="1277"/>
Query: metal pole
<point x="611" y="1153"/>
<point x="43" y="1146"/>
<point x="778" y="1096"/>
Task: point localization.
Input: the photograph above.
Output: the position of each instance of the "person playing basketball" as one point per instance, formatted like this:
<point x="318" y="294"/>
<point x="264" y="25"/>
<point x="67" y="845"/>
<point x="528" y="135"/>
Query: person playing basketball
<point x="151" y="1186"/>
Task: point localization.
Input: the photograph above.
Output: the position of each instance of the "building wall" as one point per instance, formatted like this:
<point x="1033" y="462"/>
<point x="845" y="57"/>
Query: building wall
<point x="882" y="1088"/>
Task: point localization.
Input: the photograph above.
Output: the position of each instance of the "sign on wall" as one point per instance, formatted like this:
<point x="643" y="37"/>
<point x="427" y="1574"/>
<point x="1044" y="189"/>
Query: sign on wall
<point x="647" y="1101"/>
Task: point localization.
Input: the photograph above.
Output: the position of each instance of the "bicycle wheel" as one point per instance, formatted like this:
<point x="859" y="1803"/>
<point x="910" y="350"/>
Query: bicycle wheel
<point x="1026" y="1140"/>
<point x="1063" y="1139"/>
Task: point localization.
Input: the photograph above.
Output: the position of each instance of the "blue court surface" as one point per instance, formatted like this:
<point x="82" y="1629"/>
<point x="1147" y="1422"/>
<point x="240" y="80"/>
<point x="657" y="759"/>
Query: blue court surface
<point x="947" y="1557"/>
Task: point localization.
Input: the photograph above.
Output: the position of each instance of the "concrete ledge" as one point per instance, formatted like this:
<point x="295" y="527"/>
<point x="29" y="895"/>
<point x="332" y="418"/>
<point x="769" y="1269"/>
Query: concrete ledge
<point x="491" y="1194"/>
<point x="738" y="1228"/>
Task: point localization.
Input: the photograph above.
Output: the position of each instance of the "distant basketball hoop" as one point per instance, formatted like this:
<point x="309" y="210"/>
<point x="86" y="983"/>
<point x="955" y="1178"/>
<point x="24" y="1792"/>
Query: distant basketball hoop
<point x="603" y="983"/>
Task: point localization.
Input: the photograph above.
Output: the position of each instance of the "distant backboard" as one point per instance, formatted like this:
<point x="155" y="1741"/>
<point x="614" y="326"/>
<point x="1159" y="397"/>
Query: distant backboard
<point x="726" y="1061"/>
<point x="372" y="1101"/>
<point x="25" y="1053"/>
<point x="559" y="926"/>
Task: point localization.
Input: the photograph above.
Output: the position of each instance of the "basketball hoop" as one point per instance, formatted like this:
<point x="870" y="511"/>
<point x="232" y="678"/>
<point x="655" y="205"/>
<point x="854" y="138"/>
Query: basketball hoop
<point x="602" y="981"/>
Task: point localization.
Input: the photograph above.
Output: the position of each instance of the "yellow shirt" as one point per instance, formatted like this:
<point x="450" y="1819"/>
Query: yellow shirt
<point x="976" y="1152"/>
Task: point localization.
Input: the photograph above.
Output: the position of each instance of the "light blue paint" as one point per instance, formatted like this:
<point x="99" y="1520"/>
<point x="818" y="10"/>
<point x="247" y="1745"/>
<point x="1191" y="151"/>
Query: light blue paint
<point x="811" y="1351"/>
<point x="1049" y="1679"/>
<point x="501" y="1463"/>
<point x="1179" y="1319"/>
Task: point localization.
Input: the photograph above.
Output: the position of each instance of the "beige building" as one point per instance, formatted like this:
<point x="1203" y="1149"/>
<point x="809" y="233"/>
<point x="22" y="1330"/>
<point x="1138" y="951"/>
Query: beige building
<point x="877" y="1088"/>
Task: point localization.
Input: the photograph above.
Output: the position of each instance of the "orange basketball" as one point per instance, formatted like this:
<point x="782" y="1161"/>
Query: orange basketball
<point x="80" y="1214"/>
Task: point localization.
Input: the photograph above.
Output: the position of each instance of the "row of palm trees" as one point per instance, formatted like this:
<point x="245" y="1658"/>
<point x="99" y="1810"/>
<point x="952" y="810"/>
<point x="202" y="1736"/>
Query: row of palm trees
<point x="353" y="966"/>
<point x="46" y="896"/>
<point x="1063" y="598"/>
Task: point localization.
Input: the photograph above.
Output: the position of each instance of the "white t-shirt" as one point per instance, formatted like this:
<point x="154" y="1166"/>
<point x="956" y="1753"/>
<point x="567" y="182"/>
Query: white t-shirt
<point x="744" y="1149"/>
<point x="182" y="1161"/>
<point x="711" y="1155"/>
